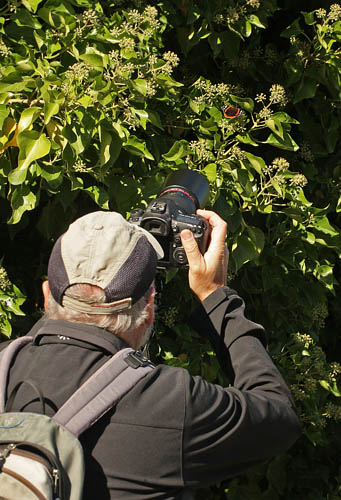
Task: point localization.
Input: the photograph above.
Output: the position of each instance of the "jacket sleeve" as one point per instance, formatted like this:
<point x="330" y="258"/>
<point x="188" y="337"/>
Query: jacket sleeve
<point x="228" y="430"/>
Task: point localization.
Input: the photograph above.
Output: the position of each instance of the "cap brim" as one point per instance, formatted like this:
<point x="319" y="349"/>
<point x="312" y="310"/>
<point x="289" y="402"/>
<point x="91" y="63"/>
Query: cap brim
<point x="153" y="241"/>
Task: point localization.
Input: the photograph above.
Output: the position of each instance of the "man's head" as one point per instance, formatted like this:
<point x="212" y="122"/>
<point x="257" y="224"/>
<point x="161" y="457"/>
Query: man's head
<point x="103" y="266"/>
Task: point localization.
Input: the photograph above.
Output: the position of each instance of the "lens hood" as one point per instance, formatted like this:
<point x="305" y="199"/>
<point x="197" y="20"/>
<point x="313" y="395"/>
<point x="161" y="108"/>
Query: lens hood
<point x="190" y="182"/>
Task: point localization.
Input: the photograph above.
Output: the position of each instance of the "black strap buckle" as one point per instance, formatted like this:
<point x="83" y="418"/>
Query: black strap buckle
<point x="137" y="359"/>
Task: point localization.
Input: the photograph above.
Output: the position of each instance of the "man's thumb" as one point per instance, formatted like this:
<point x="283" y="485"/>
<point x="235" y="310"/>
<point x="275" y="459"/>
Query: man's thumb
<point x="190" y="245"/>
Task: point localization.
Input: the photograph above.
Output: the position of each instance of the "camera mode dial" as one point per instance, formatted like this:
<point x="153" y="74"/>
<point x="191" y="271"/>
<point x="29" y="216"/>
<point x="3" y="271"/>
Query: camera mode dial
<point x="179" y="255"/>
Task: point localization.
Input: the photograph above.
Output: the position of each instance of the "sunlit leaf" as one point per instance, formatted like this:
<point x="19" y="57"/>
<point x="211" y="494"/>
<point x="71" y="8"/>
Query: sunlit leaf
<point x="99" y="195"/>
<point x="50" y="109"/>
<point x="211" y="172"/>
<point x="32" y="146"/>
<point x="256" y="161"/>
<point x="22" y="199"/>
<point x="28" y="116"/>
<point x="137" y="147"/>
<point x="31" y="5"/>
<point x="287" y="142"/>
<point x="177" y="151"/>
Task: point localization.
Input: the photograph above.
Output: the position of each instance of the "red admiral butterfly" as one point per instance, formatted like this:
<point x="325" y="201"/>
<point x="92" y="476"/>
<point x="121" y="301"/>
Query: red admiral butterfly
<point x="231" y="111"/>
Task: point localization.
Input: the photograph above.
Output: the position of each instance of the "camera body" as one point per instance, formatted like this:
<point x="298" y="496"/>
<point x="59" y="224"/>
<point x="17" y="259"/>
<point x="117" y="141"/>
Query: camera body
<point x="174" y="210"/>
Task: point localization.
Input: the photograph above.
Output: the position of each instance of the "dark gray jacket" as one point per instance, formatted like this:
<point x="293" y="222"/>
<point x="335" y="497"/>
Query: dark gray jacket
<point x="171" y="432"/>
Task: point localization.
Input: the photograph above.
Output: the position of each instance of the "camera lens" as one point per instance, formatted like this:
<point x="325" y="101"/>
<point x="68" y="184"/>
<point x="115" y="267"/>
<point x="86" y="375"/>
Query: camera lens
<point x="188" y="189"/>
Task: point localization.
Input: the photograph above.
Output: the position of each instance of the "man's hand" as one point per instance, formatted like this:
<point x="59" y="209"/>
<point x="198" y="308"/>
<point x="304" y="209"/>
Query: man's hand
<point x="207" y="272"/>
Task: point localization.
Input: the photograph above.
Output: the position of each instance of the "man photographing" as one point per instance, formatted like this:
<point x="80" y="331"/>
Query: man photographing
<point x="172" y="432"/>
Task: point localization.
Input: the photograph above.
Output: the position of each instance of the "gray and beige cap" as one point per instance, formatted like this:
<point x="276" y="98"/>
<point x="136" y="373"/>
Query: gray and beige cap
<point x="103" y="249"/>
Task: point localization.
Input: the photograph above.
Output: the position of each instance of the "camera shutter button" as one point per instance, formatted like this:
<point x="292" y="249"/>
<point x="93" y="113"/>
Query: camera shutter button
<point x="159" y="207"/>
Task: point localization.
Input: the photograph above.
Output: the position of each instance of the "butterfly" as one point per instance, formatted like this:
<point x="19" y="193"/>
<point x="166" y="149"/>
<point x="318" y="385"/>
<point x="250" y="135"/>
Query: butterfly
<point x="231" y="111"/>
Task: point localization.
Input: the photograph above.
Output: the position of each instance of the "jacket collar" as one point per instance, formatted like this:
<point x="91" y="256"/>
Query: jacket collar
<point x="95" y="337"/>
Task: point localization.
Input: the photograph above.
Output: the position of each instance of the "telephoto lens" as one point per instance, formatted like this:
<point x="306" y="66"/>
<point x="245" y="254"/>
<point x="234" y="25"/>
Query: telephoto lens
<point x="174" y="210"/>
<point x="188" y="189"/>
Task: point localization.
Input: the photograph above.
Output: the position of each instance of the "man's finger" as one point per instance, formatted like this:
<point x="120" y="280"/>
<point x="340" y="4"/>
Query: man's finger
<point x="219" y="229"/>
<point x="191" y="247"/>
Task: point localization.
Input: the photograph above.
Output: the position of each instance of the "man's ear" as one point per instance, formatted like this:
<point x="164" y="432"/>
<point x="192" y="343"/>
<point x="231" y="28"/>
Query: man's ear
<point x="46" y="292"/>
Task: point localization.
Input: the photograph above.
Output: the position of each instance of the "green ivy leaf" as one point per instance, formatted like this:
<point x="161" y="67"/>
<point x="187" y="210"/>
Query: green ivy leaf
<point x="215" y="113"/>
<point x="330" y="388"/>
<point x="247" y="139"/>
<point x="18" y="86"/>
<point x="324" y="274"/>
<point x="99" y="195"/>
<point x="5" y="325"/>
<point x="12" y="305"/>
<point x="171" y="273"/>
<point x="306" y="89"/>
<point x="275" y="126"/>
<point x="293" y="30"/>
<point x="338" y="206"/>
<point x="244" y="102"/>
<point x="28" y="116"/>
<point x="93" y="58"/>
<point x="256" y="21"/>
<point x="52" y="174"/>
<point x="243" y="250"/>
<point x="32" y="146"/>
<point x="167" y="81"/>
<point x="257" y="236"/>
<point x="256" y="162"/>
<point x="137" y="147"/>
<point x="309" y="238"/>
<point x="309" y="17"/>
<point x="195" y="107"/>
<point x="247" y="28"/>
<point x="50" y="109"/>
<point x="22" y="199"/>
<point x="283" y="117"/>
<point x="143" y="117"/>
<point x="105" y="141"/>
<point x="23" y="17"/>
<point x="323" y="224"/>
<point x="110" y="146"/>
<point x="277" y="187"/>
<point x="211" y="172"/>
<point x="140" y="85"/>
<point x="31" y="5"/>
<point x="177" y="151"/>
<point x="154" y="118"/>
<point x="122" y="132"/>
<point x="286" y="143"/>
<point x="77" y="136"/>
<point x="4" y="112"/>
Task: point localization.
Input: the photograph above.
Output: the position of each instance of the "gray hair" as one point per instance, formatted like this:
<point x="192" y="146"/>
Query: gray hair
<point x="118" y="323"/>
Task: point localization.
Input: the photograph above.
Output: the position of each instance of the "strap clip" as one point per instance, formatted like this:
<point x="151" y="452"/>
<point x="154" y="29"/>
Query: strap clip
<point x="136" y="359"/>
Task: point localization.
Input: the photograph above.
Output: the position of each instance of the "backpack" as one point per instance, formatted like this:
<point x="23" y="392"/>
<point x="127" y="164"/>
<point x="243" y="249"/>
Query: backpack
<point x="41" y="456"/>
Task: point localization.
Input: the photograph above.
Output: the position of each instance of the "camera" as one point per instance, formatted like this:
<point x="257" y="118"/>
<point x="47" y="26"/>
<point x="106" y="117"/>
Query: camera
<point x="172" y="211"/>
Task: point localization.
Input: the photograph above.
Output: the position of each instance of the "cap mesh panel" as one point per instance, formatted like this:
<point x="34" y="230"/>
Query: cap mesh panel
<point x="136" y="274"/>
<point x="57" y="276"/>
